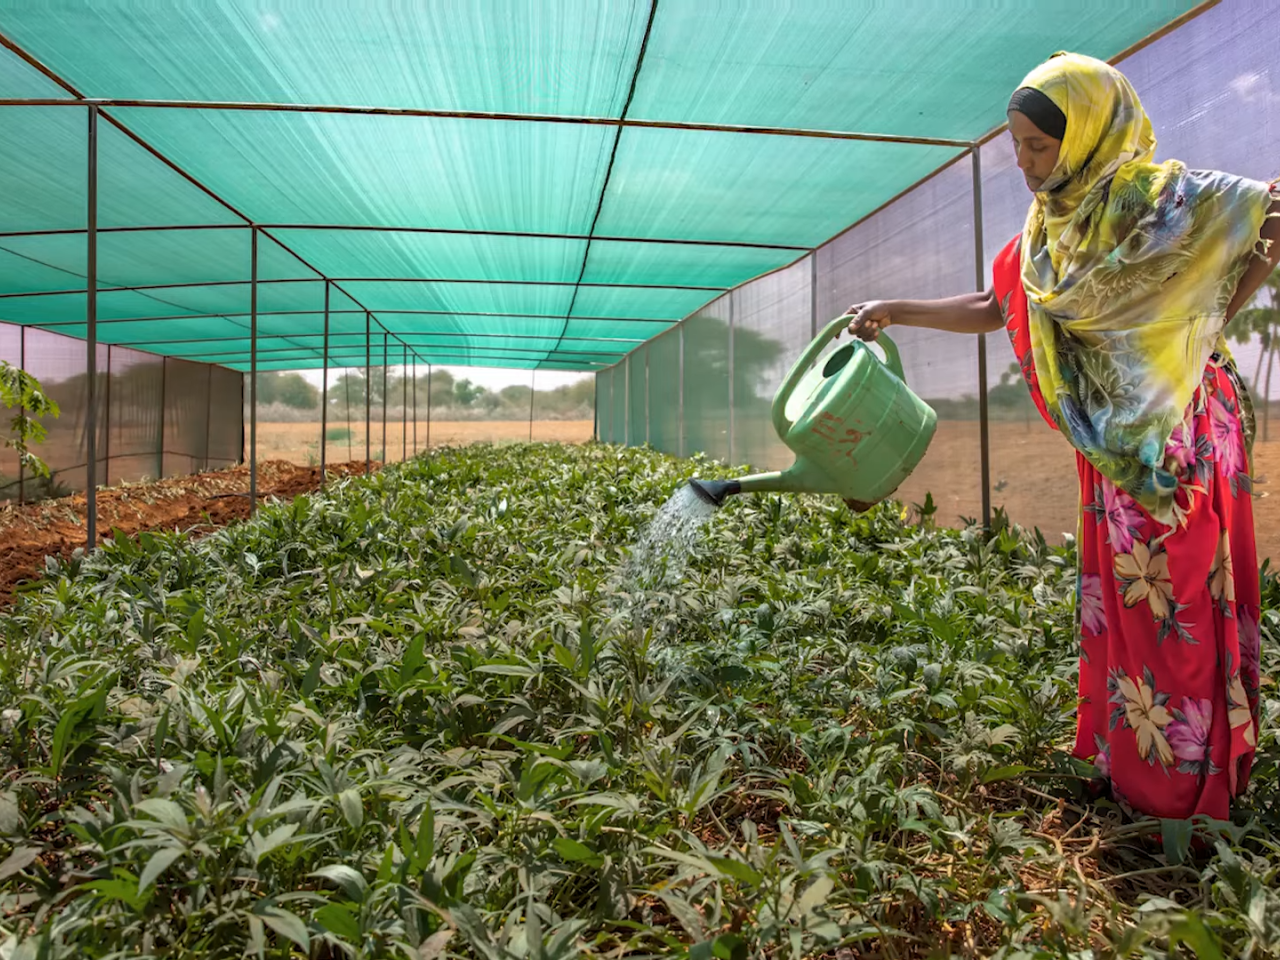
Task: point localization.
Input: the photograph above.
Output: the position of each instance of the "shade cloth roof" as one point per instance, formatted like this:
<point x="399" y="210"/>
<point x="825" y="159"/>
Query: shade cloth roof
<point x="489" y="182"/>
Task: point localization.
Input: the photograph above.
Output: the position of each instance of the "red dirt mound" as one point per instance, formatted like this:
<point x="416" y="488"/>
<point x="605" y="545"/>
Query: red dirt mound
<point x="195" y="504"/>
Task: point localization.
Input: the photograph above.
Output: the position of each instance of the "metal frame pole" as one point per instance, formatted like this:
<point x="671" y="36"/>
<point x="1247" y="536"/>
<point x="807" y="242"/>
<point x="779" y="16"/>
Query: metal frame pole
<point x="22" y="411"/>
<point x="613" y="400"/>
<point x="404" y="404"/>
<point x="415" y="404"/>
<point x="626" y="409"/>
<point x="384" y="398"/>
<point x="164" y="416"/>
<point x="324" y="390"/>
<point x="813" y="295"/>
<point x="980" y="280"/>
<point x="680" y="398"/>
<point x="208" y="412"/>
<point x="368" y="389"/>
<point x="253" y="373"/>
<point x="106" y="426"/>
<point x="428" y="408"/>
<point x="732" y="461"/>
<point x="91" y="336"/>
<point x="648" y="413"/>
<point x="532" y="381"/>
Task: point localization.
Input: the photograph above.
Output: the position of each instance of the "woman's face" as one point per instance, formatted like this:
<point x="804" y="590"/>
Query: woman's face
<point x="1037" y="152"/>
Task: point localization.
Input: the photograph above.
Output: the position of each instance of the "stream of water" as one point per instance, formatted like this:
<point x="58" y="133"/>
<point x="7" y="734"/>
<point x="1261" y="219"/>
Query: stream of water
<point x="663" y="550"/>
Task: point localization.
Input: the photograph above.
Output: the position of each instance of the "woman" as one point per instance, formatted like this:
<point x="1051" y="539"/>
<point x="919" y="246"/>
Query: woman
<point x="1115" y="297"/>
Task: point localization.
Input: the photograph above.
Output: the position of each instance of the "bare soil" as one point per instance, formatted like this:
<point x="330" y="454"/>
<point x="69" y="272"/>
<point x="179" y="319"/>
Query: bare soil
<point x="195" y="504"/>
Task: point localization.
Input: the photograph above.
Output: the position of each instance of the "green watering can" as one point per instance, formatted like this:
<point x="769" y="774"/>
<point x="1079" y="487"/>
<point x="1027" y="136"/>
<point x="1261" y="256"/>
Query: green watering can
<point x="856" y="428"/>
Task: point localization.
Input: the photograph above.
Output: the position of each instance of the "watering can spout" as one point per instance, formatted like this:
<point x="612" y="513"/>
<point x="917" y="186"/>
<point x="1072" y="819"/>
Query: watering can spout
<point x="714" y="491"/>
<point x="799" y="478"/>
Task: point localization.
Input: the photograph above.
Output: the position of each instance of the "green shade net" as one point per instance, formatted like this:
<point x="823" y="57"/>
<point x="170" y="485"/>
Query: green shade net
<point x="664" y="392"/>
<point x="497" y="241"/>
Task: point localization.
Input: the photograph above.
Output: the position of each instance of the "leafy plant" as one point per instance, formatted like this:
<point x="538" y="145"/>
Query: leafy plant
<point x="436" y="712"/>
<point x="20" y="389"/>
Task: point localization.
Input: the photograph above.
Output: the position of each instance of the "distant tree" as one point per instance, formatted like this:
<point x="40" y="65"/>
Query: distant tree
<point x="293" y="390"/>
<point x="289" y="389"/>
<point x="465" y="393"/>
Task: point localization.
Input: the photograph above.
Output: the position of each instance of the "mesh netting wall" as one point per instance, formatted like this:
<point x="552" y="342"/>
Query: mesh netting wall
<point x="155" y="416"/>
<point x="771" y="322"/>
<point x="706" y="380"/>
<point x="664" y="390"/>
<point x="1212" y="94"/>
<point x="604" y="405"/>
<point x="637" y="397"/>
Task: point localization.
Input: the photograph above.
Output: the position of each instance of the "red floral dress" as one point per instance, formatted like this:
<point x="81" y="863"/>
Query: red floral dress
<point x="1167" y="617"/>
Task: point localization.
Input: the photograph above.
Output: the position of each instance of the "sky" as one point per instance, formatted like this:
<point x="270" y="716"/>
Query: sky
<point x="491" y="378"/>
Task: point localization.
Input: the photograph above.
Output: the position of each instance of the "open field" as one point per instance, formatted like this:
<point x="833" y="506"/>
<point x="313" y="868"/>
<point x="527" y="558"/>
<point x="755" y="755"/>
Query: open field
<point x="299" y="442"/>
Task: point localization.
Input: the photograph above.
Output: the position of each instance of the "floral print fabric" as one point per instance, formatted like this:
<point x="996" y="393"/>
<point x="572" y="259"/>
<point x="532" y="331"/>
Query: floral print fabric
<point x="1128" y="266"/>
<point x="1167" y="615"/>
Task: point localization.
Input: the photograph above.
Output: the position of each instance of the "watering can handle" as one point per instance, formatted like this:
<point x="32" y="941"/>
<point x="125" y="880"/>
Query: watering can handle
<point x="893" y="361"/>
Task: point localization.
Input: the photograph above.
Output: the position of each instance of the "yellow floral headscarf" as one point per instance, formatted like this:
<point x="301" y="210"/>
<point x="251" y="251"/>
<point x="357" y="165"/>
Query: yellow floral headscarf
<point x="1128" y="267"/>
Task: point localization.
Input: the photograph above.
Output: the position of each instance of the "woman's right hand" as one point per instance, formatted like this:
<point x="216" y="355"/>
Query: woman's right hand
<point x="869" y="319"/>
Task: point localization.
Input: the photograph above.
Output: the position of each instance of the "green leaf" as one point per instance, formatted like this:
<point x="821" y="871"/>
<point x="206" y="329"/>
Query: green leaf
<point x="160" y="861"/>
<point x="260" y="846"/>
<point x="572" y="850"/>
<point x="1005" y="773"/>
<point x="17" y="861"/>
<point x="338" y="919"/>
<point x="737" y="870"/>
<point x="352" y="883"/>
<point x="815" y="896"/>
<point x="1176" y="837"/>
<point x="10" y="814"/>
<point x="165" y="811"/>
<point x="286" y="925"/>
<point x="729" y="946"/>
<point x="1191" y="931"/>
<point x="352" y="807"/>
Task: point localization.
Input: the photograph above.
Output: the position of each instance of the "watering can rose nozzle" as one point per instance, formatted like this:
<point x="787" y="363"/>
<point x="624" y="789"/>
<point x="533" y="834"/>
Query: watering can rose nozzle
<point x="714" y="491"/>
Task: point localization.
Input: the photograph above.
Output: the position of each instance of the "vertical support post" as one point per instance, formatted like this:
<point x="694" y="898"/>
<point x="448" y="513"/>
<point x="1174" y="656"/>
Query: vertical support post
<point x="164" y="417"/>
<point x="732" y="461"/>
<point x="415" y="403"/>
<point x="533" y="374"/>
<point x="91" y="337"/>
<point x="680" y="398"/>
<point x="384" y="398"/>
<point x="648" y="415"/>
<point x="368" y="388"/>
<point x="253" y="372"/>
<point x="613" y="381"/>
<point x="404" y="403"/>
<point x="106" y="426"/>
<point x="22" y="366"/>
<point x="595" y="407"/>
<point x="813" y="294"/>
<point x="428" y="408"/>
<point x="208" y="412"/>
<point x="980" y="281"/>
<point x="626" y="403"/>
<point x="324" y="391"/>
